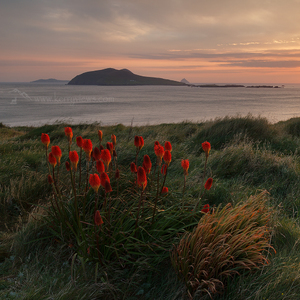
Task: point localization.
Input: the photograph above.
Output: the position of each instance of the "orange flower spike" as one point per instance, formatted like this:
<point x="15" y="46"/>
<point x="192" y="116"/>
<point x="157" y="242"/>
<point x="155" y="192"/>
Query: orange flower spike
<point x="100" y="135"/>
<point x="45" y="139"/>
<point x="147" y="164"/>
<point x="52" y="160"/>
<point x="79" y="141"/>
<point x="96" y="154"/>
<point x="137" y="141"/>
<point x="69" y="134"/>
<point x="74" y="158"/>
<point x="94" y="181"/>
<point x="164" y="190"/>
<point x="103" y="178"/>
<point x="87" y="147"/>
<point x="110" y="147"/>
<point x="100" y="166"/>
<point x="141" y="142"/>
<point x="50" y="179"/>
<point x="208" y="183"/>
<point x="106" y="157"/>
<point x="133" y="168"/>
<point x="185" y="165"/>
<point x="159" y="152"/>
<point x="167" y="157"/>
<point x="114" y="139"/>
<point x="67" y="166"/>
<point x="57" y="153"/>
<point x="141" y="177"/>
<point x="205" y="208"/>
<point x="98" y="219"/>
<point x="107" y="187"/>
<point x="206" y="148"/>
<point x="168" y="146"/>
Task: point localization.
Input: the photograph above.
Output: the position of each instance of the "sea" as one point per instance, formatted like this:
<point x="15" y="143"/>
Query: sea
<point x="33" y="104"/>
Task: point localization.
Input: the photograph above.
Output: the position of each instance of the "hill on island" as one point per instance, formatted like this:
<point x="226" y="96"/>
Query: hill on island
<point x="50" y="80"/>
<point x="112" y="76"/>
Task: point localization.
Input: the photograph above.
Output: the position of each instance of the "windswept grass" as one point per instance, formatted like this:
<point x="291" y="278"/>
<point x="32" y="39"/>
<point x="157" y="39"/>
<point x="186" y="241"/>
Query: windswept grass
<point x="248" y="155"/>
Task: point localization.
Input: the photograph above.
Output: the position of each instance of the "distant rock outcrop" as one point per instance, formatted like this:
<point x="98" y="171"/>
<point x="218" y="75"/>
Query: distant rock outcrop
<point x="184" y="81"/>
<point x="50" y="80"/>
<point x="118" y="77"/>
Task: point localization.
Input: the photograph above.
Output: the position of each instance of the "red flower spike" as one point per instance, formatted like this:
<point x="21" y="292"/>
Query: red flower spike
<point x="167" y="157"/>
<point x="159" y="151"/>
<point x="164" y="169"/>
<point x="117" y="174"/>
<point x="45" y="139"/>
<point x="94" y="181"/>
<point x="79" y="141"/>
<point x="52" y="160"/>
<point x="87" y="147"/>
<point x="185" y="165"/>
<point x="67" y="166"/>
<point x="69" y="134"/>
<point x="164" y="190"/>
<point x="98" y="220"/>
<point x="107" y="187"/>
<point x="50" y="179"/>
<point x="206" y="148"/>
<point x="57" y="153"/>
<point x="133" y="168"/>
<point x="101" y="148"/>
<point x="103" y="178"/>
<point x="106" y="157"/>
<point x="147" y="164"/>
<point x="156" y="143"/>
<point x="137" y="141"/>
<point x="208" y="183"/>
<point x="96" y="154"/>
<point x="100" y="166"/>
<point x="73" y="156"/>
<point x="141" y="142"/>
<point x="168" y="146"/>
<point x="141" y="177"/>
<point x="114" y="153"/>
<point x="205" y="208"/>
<point x="114" y="139"/>
<point x="100" y="135"/>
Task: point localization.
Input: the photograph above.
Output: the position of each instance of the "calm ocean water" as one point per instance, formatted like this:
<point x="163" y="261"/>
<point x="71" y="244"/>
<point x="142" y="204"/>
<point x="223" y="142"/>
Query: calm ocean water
<point x="38" y="104"/>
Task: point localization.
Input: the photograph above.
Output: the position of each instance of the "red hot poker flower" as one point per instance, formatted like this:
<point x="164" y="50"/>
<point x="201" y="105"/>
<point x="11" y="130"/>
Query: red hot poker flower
<point x="52" y="160"/>
<point x="94" y="181"/>
<point x="103" y="178"/>
<point x="164" y="190"/>
<point x="73" y="156"/>
<point x="117" y="174"/>
<point x="206" y="148"/>
<point x="45" y="139"/>
<point x="114" y="139"/>
<point x="87" y="147"/>
<point x="100" y="166"/>
<point x="141" y="177"/>
<point x="168" y="146"/>
<point x="205" y="208"/>
<point x="159" y="152"/>
<point x="164" y="169"/>
<point x="185" y="165"/>
<point x="96" y="154"/>
<point x="137" y="141"/>
<point x="156" y="143"/>
<point x="107" y="187"/>
<point x="106" y="157"/>
<point x="110" y="147"/>
<point x="167" y="157"/>
<point x="100" y="135"/>
<point x="69" y="134"/>
<point x="50" y="179"/>
<point x="147" y="164"/>
<point x="98" y="219"/>
<point x="133" y="168"/>
<point x="208" y="183"/>
<point x="141" y="142"/>
<point x="67" y="166"/>
<point x="79" y="141"/>
<point x="57" y="153"/>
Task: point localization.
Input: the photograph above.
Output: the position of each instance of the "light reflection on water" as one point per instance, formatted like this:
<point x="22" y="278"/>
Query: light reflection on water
<point x="37" y="104"/>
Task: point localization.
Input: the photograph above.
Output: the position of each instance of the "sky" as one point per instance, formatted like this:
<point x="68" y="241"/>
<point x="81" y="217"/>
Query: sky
<point x="212" y="41"/>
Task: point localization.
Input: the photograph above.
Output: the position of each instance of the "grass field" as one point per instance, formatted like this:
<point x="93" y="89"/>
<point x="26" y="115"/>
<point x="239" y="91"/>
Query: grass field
<point x="245" y="247"/>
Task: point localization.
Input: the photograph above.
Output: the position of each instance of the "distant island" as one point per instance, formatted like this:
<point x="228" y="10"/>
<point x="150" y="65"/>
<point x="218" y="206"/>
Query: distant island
<point x="112" y="76"/>
<point x="50" y="80"/>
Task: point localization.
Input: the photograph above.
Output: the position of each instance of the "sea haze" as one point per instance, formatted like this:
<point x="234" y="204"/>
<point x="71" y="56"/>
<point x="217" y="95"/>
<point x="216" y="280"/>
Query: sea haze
<point x="38" y="104"/>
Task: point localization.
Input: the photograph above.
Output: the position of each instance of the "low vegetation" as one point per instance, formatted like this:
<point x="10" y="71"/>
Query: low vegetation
<point x="223" y="226"/>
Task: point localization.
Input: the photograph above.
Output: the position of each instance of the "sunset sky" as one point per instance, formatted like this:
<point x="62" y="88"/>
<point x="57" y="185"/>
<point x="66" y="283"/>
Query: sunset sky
<point x="214" y="41"/>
